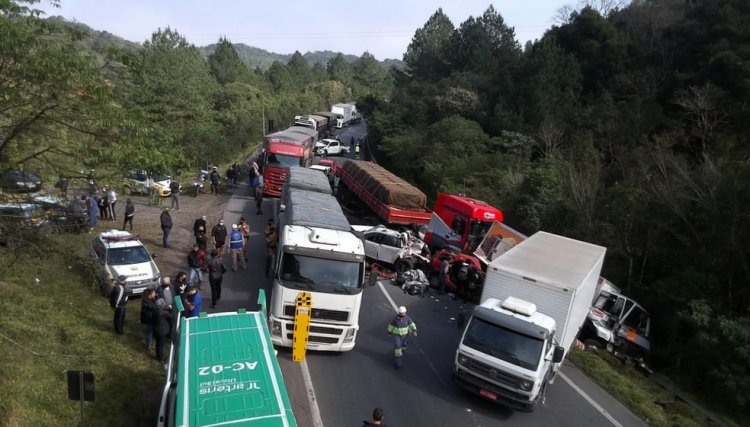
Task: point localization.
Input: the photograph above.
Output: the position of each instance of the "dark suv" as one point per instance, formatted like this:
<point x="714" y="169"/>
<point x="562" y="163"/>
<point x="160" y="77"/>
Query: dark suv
<point x="15" y="180"/>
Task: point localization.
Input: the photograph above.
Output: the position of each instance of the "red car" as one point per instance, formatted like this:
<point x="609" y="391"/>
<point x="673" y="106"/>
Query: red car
<point x="465" y="274"/>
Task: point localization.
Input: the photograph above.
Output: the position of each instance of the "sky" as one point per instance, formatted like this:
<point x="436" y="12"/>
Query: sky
<point x="382" y="27"/>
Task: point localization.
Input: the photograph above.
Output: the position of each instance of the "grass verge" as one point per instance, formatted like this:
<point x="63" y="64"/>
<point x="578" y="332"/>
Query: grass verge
<point x="59" y="324"/>
<point x="652" y="403"/>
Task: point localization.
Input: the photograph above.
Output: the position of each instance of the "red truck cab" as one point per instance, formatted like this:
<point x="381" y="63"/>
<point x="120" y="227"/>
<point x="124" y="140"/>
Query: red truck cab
<point x="468" y="220"/>
<point x="283" y="150"/>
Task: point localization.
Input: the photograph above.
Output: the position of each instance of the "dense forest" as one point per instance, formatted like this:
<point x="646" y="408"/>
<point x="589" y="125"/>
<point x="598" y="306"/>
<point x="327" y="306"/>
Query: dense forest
<point x="627" y="128"/>
<point x="624" y="127"/>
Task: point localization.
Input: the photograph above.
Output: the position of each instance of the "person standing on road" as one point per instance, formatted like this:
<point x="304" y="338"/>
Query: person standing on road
<point x="236" y="244"/>
<point x="112" y="196"/>
<point x="194" y="264"/>
<point x="219" y="237"/>
<point x="166" y="226"/>
<point x="271" y="240"/>
<point x="245" y="230"/>
<point x="162" y="328"/>
<point x="165" y="292"/>
<point x="174" y="194"/>
<point x="201" y="239"/>
<point x="443" y="274"/>
<point x="377" y="419"/>
<point x="129" y="214"/>
<point x="199" y="222"/>
<point x="193" y="301"/>
<point x="214" y="178"/>
<point x="259" y="195"/>
<point x="118" y="300"/>
<point x="216" y="272"/>
<point x="399" y="329"/>
<point x="148" y="315"/>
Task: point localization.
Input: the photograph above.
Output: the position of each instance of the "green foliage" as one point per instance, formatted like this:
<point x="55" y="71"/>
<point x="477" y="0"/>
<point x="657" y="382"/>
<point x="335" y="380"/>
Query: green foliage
<point x="427" y="56"/>
<point x="225" y="63"/>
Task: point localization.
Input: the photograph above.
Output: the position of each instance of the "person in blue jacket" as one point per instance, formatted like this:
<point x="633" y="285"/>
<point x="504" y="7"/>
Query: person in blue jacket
<point x="193" y="302"/>
<point x="399" y="329"/>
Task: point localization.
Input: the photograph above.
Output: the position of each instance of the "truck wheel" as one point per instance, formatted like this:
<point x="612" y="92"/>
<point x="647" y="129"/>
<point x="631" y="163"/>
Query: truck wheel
<point x="403" y="264"/>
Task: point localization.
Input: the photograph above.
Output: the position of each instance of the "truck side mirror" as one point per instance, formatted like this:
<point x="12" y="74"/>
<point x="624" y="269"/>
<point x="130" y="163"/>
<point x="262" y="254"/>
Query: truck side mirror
<point x="558" y="354"/>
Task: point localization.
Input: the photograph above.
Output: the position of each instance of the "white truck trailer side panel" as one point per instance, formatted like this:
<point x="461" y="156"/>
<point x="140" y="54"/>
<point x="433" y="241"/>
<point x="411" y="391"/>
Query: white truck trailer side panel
<point x="556" y="273"/>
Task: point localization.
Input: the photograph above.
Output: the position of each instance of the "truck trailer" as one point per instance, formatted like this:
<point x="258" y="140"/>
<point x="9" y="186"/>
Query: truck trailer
<point x="317" y="253"/>
<point x="391" y="198"/>
<point x="535" y="298"/>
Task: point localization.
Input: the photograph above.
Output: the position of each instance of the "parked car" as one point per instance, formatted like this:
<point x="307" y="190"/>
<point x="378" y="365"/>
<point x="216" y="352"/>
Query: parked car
<point x="138" y="182"/>
<point x="116" y="253"/>
<point x="63" y="215"/>
<point x="330" y="147"/>
<point x="22" y="221"/>
<point x="15" y="180"/>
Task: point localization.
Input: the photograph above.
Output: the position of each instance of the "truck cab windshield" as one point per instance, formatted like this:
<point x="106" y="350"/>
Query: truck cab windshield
<point x="283" y="160"/>
<point x="321" y="275"/>
<point x="508" y="345"/>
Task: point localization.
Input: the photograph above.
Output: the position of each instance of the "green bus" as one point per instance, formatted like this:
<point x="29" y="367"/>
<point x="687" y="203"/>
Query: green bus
<point x="223" y="372"/>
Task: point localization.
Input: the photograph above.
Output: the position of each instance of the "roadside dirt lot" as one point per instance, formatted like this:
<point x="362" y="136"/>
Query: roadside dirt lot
<point x="146" y="223"/>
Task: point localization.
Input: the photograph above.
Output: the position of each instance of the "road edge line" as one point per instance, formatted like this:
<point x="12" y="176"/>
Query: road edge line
<point x="311" y="399"/>
<point x="589" y="399"/>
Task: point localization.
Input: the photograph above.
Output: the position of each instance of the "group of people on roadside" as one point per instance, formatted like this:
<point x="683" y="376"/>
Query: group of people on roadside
<point x="103" y="207"/>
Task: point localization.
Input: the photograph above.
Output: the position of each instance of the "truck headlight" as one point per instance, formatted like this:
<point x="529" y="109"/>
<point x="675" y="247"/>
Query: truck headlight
<point x="349" y="335"/>
<point x="526" y="385"/>
<point x="463" y="360"/>
<point x="276" y="328"/>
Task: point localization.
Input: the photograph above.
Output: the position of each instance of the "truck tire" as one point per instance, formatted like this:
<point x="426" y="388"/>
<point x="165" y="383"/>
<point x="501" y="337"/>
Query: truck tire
<point x="402" y="265"/>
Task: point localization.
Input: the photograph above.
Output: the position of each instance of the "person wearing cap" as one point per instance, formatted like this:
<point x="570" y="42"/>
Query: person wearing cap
<point x="399" y="329"/>
<point x="236" y="245"/>
<point x="118" y="300"/>
<point x="245" y="230"/>
<point x="219" y="237"/>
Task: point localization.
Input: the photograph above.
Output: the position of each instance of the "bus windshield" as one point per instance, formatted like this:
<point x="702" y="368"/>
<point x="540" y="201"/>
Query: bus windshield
<point x="284" y="160"/>
<point x="324" y="275"/>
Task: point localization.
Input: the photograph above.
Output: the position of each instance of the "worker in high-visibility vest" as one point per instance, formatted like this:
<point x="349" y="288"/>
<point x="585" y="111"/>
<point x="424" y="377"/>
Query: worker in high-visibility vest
<point x="236" y="244"/>
<point x="399" y="329"/>
<point x="356" y="150"/>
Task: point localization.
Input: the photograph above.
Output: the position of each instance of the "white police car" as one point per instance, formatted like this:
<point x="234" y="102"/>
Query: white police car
<point x="117" y="253"/>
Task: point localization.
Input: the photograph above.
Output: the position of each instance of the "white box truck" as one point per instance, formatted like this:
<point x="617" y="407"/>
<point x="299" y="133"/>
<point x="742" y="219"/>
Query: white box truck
<point x="535" y="298"/>
<point x="344" y="114"/>
<point x="317" y="253"/>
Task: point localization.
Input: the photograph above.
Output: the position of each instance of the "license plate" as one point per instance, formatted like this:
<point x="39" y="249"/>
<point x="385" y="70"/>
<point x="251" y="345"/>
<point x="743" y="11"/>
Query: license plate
<point x="487" y="394"/>
<point x="138" y="290"/>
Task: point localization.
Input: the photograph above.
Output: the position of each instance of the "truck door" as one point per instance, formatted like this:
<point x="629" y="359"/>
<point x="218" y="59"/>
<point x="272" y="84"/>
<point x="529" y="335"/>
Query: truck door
<point x="334" y="148"/>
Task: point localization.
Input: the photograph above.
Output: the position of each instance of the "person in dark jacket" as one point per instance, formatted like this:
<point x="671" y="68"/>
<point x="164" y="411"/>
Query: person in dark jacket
<point x="129" y="214"/>
<point x="377" y="418"/>
<point x="166" y="226"/>
<point x="219" y="237"/>
<point x="162" y="328"/>
<point x="198" y="224"/>
<point x="195" y="265"/>
<point x="174" y="193"/>
<point x="214" y="178"/>
<point x="201" y="239"/>
<point x="216" y="270"/>
<point x="118" y="300"/>
<point x="148" y="315"/>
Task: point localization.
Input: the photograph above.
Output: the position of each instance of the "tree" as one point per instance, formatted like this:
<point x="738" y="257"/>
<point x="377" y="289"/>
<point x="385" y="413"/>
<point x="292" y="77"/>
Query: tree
<point x="370" y="76"/>
<point x="339" y="69"/>
<point x="225" y="63"/>
<point x="427" y="56"/>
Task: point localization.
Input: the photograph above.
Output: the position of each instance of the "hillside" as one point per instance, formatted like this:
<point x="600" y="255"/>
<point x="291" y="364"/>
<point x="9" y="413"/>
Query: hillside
<point x="254" y="57"/>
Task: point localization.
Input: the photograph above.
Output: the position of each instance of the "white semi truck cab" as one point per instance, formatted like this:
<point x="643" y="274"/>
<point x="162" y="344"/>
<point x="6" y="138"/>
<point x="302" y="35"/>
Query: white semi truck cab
<point x="508" y="353"/>
<point x="317" y="254"/>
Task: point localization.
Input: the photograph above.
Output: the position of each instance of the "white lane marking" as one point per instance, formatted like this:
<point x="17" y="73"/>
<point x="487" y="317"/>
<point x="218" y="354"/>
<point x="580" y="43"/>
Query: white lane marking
<point x="590" y="400"/>
<point x="395" y="309"/>
<point x="314" y="410"/>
